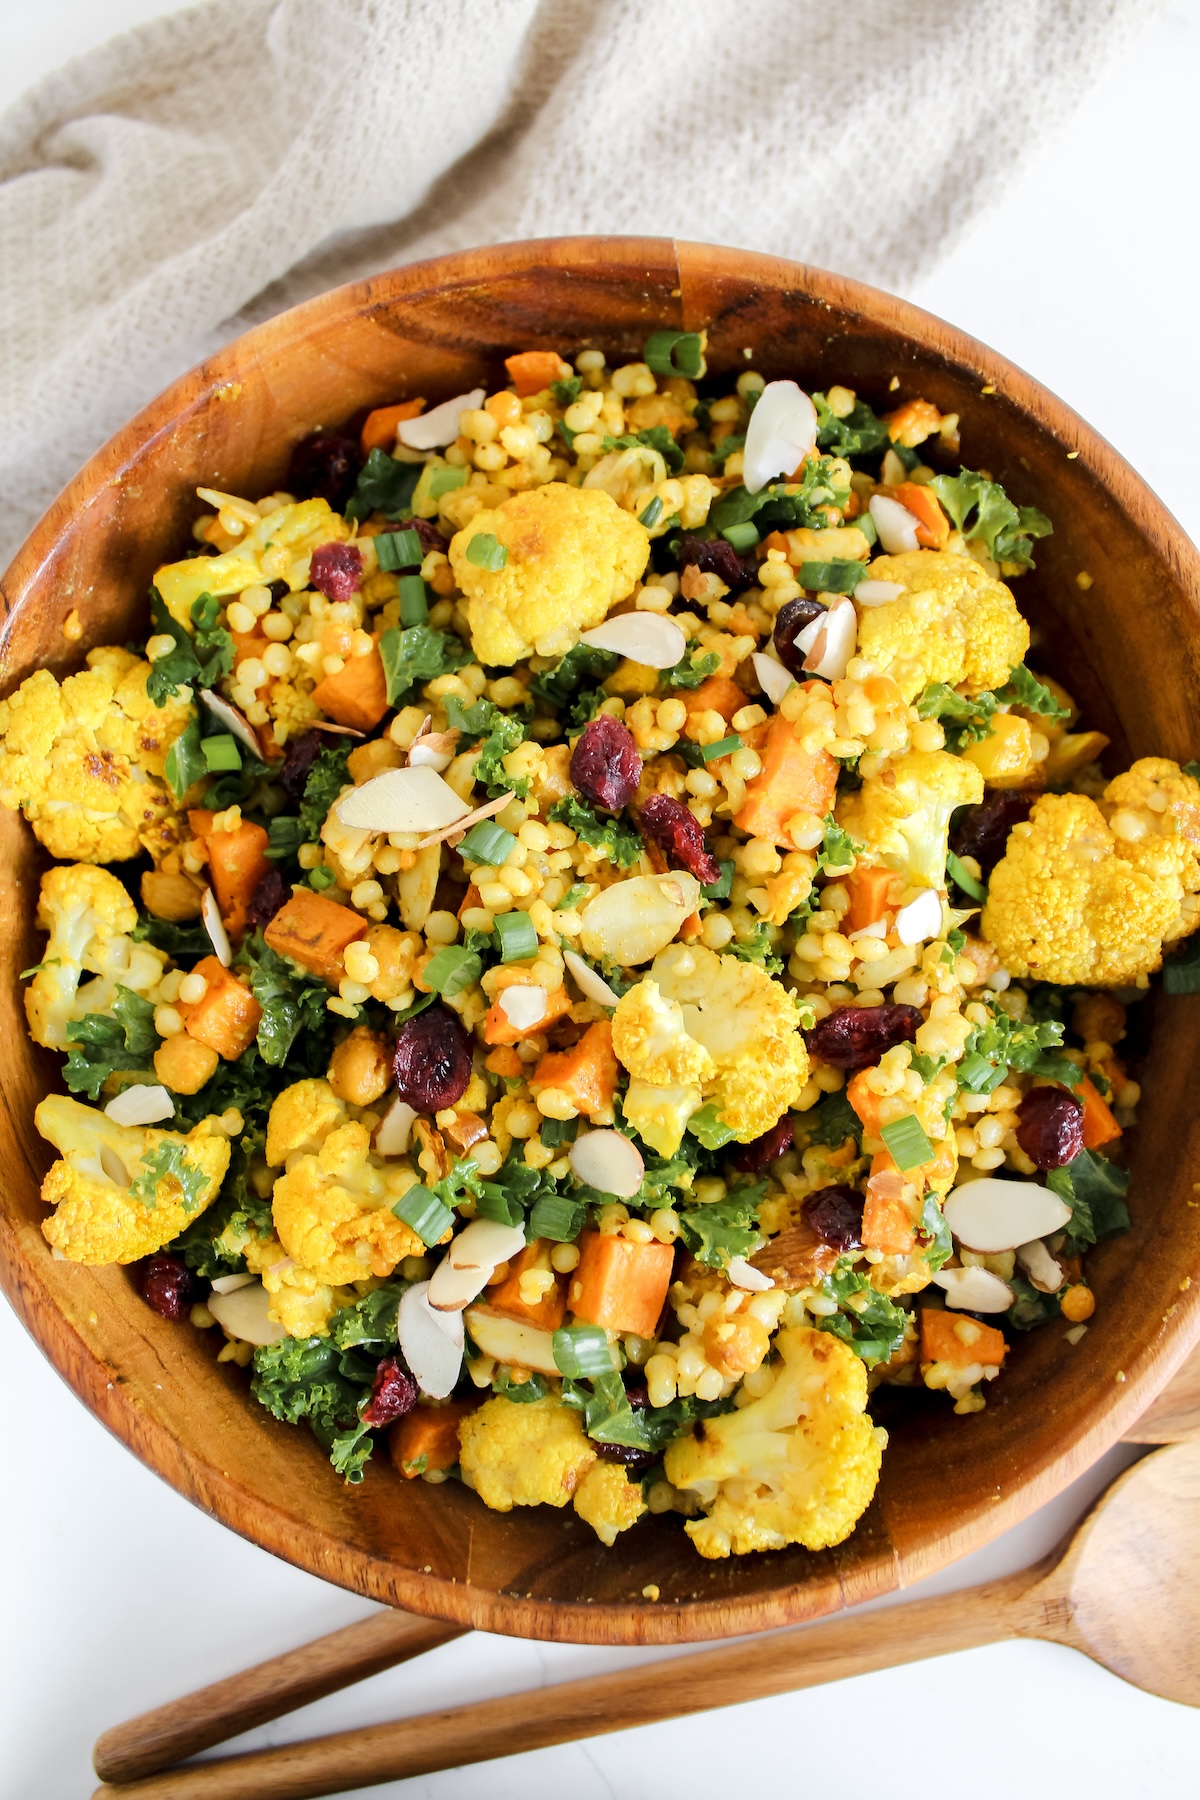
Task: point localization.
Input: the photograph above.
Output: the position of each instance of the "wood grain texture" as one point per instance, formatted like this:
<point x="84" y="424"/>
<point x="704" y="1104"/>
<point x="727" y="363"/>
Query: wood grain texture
<point x="949" y="1484"/>
<point x="1176" y="1412"/>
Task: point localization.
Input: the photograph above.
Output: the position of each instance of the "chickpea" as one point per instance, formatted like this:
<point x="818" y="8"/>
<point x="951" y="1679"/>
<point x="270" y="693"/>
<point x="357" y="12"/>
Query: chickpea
<point x="360" y="1068"/>
<point x="735" y="1346"/>
<point x="395" y="952"/>
<point x="1095" y="1016"/>
<point x="183" y="1065"/>
<point x="172" y="897"/>
<point x="1078" y="1304"/>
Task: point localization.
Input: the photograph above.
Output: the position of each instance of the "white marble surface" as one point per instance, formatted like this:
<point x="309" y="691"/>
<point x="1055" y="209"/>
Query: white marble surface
<point x="119" y="1595"/>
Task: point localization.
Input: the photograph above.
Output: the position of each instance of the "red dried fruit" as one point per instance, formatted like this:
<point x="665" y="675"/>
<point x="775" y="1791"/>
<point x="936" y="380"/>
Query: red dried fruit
<point x="296" y="767"/>
<point x="393" y="1393"/>
<point x="431" y="538"/>
<point x="680" y="836"/>
<point x="1050" y="1126"/>
<point x="836" y="1214"/>
<point x="717" y="556"/>
<point x="433" y="1060"/>
<point x="766" y="1149"/>
<point x="167" y="1284"/>
<point x="855" y="1037"/>
<point x="325" y="467"/>
<point x="605" y="765"/>
<point x="336" y="570"/>
<point x="267" y="899"/>
<point x="982" y="831"/>
<point x="790" y="621"/>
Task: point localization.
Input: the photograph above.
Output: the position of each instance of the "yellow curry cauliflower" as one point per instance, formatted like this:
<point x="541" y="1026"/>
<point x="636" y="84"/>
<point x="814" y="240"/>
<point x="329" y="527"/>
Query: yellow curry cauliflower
<point x="86" y="772"/>
<point x="1154" y="811"/>
<point x="297" y="528"/>
<point x="901" y="818"/>
<point x="954" y="623"/>
<point x="123" y="1191"/>
<point x="532" y="1454"/>
<point x="1072" y="903"/>
<point x="571" y="555"/>
<point x="796" y="1466"/>
<point x="88" y="916"/>
<point x="608" y="1501"/>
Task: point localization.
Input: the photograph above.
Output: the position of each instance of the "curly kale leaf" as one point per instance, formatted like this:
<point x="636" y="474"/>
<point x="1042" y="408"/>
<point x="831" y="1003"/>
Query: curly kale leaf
<point x="610" y="1418"/>
<point x="656" y="438"/>
<point x="867" y="1320"/>
<point x="384" y="485"/>
<point x="692" y="669"/>
<point x="370" y="1321"/>
<point x="619" y="841"/>
<point x="981" y="508"/>
<point x="195" y="662"/>
<point x="860" y="433"/>
<point x="214" y="1244"/>
<point x="1095" y="1190"/>
<point x="1005" y="1043"/>
<point x="758" y="949"/>
<point x="1031" y="1307"/>
<point x="169" y="1162"/>
<point x="291" y="1000"/>
<point x="326" y="779"/>
<point x="714" y="1234"/>
<point x="104" y="1044"/>
<point x="964" y="721"/>
<point x="582" y="666"/>
<point x="179" y="941"/>
<point x="497" y="734"/>
<point x="418" y="653"/>
<point x="777" y="509"/>
<point x="1024" y="689"/>
<point x="302" y="1378"/>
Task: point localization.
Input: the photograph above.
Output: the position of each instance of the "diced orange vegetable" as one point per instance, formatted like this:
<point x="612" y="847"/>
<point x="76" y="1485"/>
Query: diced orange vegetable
<point x="864" y="1102"/>
<point x="950" y="1337"/>
<point x="200" y="819"/>
<point x="357" y="694"/>
<point x="619" y="1284"/>
<point x="498" y="1028"/>
<point x="379" y="427"/>
<point x="504" y="1062"/>
<point x="1099" y="1125"/>
<point x="716" y="694"/>
<point x="228" y="1016"/>
<point x="933" y="527"/>
<point x="314" y="932"/>
<point x="587" y="1074"/>
<point x="532" y="370"/>
<point x="691" y="928"/>
<point x="888" y="1222"/>
<point x="793" y="780"/>
<point x="505" y="1297"/>
<point x="237" y="863"/>
<point x="246" y="644"/>
<point x="470" y="900"/>
<point x="868" y="890"/>
<point x="911" y="423"/>
<point x="426" y="1439"/>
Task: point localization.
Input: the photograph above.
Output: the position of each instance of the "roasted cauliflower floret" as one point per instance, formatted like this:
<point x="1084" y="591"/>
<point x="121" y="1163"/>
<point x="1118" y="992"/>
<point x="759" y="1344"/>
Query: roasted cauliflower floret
<point x="301" y="1118"/>
<point x="534" y="1454"/>
<point x="660" y="1114"/>
<point x="796" y="1466"/>
<point x="85" y="773"/>
<point x="333" y="1212"/>
<point x="954" y="623"/>
<point x="749" y="1026"/>
<point x="1153" y="810"/>
<point x="608" y="1501"/>
<point x="651" y="1039"/>
<point x="300" y="1301"/>
<point x="89" y="916"/>
<point x="1071" y="903"/>
<point x="297" y="528"/>
<point x="123" y="1191"/>
<point x="901" y="818"/>
<point x="571" y="555"/>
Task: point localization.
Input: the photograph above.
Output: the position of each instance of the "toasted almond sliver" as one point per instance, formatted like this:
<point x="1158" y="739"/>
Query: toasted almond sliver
<point x="744" y="1275"/>
<point x="236" y="721"/>
<point x="523" y="1006"/>
<point x="141" y="1104"/>
<point x="773" y="678"/>
<point x="463" y="825"/>
<point x="990" y="1215"/>
<point x="921" y="919"/>
<point x="897" y="527"/>
<point x="607" y="1160"/>
<point x="643" y="637"/>
<point x="395" y="1128"/>
<point x="593" y="986"/>
<point x="332" y="725"/>
<point x="403" y="800"/>
<point x="439" y="426"/>
<point x="974" y="1290"/>
<point x="218" y="937"/>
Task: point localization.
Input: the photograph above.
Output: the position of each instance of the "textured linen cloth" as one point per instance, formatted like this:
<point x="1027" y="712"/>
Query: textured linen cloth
<point x="204" y="171"/>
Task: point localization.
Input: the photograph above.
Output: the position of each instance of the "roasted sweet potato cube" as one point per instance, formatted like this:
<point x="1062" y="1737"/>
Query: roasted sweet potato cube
<point x="314" y="932"/>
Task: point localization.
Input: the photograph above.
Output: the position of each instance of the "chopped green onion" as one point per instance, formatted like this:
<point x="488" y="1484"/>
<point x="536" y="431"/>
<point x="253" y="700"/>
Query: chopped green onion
<point x="556" y="1217"/>
<point x="652" y="513"/>
<point x="321" y="877"/>
<point x="742" y="537"/>
<point x="906" y="1140"/>
<point x="495" y="1203"/>
<point x="444" y="481"/>
<point x="583" y="1351"/>
<point x="866" y="524"/>
<point x="399" y="550"/>
<point x="558" y="1131"/>
<point x="451" y="970"/>
<point x="221" y="752"/>
<point x="723" y="747"/>
<point x="486" y="551"/>
<point x="840" y="577"/>
<point x="518" y="939"/>
<point x="958" y="875"/>
<point x="487" y="843"/>
<point x="414" y="601"/>
<point x="675" y="353"/>
<point x="424" y="1213"/>
<point x="284" y="837"/>
<point x="978" y="1075"/>
<point x="720" y="890"/>
<point x="573" y="896"/>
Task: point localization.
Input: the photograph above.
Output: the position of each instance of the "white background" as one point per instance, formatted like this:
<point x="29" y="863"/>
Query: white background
<point x="119" y="1595"/>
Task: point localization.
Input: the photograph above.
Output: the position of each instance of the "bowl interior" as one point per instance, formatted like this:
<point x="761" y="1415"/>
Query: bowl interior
<point x="1128" y="643"/>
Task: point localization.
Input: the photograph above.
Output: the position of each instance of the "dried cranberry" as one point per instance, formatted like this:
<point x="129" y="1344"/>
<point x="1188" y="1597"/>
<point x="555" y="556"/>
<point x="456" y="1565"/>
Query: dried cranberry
<point x="393" y="1393"/>
<point x="750" y="1158"/>
<point x="854" y="1037"/>
<point x="267" y="899"/>
<point x="982" y="831"/>
<point x="836" y="1215"/>
<point x="302" y="753"/>
<point x="716" y="556"/>
<point x="789" y="623"/>
<point x="605" y="765"/>
<point x="325" y="467"/>
<point x="1050" y="1126"/>
<point x="166" y="1284"/>
<point x="431" y="538"/>
<point x="636" y="1392"/>
<point x="336" y="570"/>
<point x="433" y="1060"/>
<point x="680" y="835"/>
<point x="632" y="1458"/>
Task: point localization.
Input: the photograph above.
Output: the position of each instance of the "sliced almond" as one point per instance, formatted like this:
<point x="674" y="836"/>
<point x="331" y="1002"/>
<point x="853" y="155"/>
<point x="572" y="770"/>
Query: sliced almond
<point x="608" y="1162"/>
<point x="416" y="800"/>
<point x="781" y="432"/>
<point x="644" y="637"/>
<point x="428" y="1347"/>
<point x="773" y="678"/>
<point x="243" y="1313"/>
<point x="485" y="1243"/>
<point x="591" y="986"/>
<point x="743" y="1274"/>
<point x="141" y="1104"/>
<point x="990" y="1215"/>
<point x="833" y="646"/>
<point x="452" y="1288"/>
<point x="524" y="1006"/>
<point x="511" y="1341"/>
<point x="113" y="1167"/>
<point x="332" y="725"/>
<point x="233" y="720"/>
<point x="921" y="919"/>
<point x="395" y="1129"/>
<point x="897" y="527"/>
<point x="974" y="1290"/>
<point x="1043" y="1270"/>
<point x="229" y="1284"/>
<point x="433" y="749"/>
<point x="877" y="593"/>
<point x="218" y="937"/>
<point x="463" y="825"/>
<point x="434" y="429"/>
<point x="878" y="928"/>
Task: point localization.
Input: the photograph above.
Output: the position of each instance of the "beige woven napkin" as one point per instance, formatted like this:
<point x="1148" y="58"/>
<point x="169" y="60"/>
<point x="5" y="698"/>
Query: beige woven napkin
<point x="208" y="169"/>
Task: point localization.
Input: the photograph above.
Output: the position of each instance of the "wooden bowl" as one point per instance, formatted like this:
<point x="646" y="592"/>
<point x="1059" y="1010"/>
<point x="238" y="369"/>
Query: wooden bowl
<point x="435" y="329"/>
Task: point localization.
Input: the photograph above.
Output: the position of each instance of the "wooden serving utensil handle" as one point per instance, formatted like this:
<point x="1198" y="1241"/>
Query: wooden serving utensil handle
<point x="775" y="1663"/>
<point x="155" y="1740"/>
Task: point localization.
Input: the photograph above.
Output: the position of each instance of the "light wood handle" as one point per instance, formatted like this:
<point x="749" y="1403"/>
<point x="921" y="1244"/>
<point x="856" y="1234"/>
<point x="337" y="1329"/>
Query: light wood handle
<point x="157" y="1739"/>
<point x="804" y="1656"/>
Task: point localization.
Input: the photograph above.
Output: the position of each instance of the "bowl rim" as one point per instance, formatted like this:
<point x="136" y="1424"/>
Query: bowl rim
<point x="320" y="1552"/>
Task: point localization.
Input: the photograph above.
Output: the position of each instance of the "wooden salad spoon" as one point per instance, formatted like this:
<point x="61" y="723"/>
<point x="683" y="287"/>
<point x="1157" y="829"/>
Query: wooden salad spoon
<point x="1122" y="1589"/>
